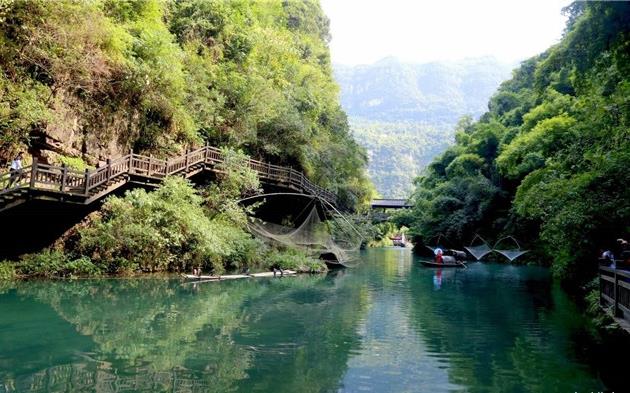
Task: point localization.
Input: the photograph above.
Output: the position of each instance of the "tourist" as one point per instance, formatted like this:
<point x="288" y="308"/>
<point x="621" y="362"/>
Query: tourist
<point x="624" y="252"/>
<point x="438" y="256"/>
<point x="16" y="170"/>
<point x="609" y="257"/>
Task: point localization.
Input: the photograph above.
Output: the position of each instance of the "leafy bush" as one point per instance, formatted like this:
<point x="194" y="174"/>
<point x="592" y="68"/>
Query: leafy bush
<point x="76" y="163"/>
<point x="7" y="270"/>
<point x="166" y="230"/>
<point x="293" y="260"/>
<point x="54" y="263"/>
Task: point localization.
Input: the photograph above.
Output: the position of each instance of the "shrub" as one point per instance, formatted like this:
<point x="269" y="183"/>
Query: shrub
<point x="164" y="230"/>
<point x="54" y="263"/>
<point x="7" y="270"/>
<point x="293" y="260"/>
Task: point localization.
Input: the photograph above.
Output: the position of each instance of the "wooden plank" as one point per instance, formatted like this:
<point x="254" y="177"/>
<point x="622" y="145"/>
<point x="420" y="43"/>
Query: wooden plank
<point x="608" y="298"/>
<point x="623" y="308"/>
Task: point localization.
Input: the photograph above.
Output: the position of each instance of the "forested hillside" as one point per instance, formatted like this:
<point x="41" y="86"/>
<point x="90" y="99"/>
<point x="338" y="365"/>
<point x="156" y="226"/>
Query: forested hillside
<point x="404" y="114"/>
<point x="548" y="163"/>
<point x="86" y="80"/>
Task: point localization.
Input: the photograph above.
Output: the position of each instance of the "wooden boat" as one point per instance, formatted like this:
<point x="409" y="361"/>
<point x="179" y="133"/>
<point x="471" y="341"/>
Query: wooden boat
<point x="445" y="264"/>
<point x="237" y="276"/>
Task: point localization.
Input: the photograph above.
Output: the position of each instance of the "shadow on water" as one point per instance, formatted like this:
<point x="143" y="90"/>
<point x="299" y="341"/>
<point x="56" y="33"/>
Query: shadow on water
<point x="389" y="325"/>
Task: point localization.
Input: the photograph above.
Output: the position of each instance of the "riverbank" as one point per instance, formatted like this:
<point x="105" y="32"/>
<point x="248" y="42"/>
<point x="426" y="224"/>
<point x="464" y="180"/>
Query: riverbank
<point x="51" y="264"/>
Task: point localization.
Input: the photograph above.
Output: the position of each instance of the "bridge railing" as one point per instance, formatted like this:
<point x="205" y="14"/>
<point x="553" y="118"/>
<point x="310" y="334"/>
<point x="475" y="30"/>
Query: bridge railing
<point x="62" y="179"/>
<point x="10" y="182"/>
<point x="614" y="291"/>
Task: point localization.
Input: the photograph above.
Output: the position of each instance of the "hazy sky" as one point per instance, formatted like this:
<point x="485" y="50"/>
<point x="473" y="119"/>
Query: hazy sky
<point x="365" y="31"/>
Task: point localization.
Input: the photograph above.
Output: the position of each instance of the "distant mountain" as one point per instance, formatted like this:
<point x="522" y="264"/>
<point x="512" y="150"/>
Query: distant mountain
<point x="393" y="103"/>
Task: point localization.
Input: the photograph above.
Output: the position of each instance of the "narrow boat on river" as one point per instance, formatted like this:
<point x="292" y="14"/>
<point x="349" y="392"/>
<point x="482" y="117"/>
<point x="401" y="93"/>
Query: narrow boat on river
<point x="450" y="258"/>
<point x="443" y="264"/>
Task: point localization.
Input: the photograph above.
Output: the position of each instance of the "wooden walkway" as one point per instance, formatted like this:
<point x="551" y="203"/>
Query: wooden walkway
<point x="60" y="183"/>
<point x="614" y="294"/>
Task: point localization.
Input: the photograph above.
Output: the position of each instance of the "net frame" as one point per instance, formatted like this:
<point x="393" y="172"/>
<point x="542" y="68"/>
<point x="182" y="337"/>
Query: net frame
<point x="479" y="251"/>
<point x="510" y="254"/>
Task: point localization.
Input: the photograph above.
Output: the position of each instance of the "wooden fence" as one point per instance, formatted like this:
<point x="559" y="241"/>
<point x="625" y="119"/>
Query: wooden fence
<point x="90" y="185"/>
<point x="614" y="293"/>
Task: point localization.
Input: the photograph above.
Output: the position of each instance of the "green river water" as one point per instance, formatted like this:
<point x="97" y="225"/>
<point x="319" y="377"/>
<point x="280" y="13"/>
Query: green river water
<point x="388" y="325"/>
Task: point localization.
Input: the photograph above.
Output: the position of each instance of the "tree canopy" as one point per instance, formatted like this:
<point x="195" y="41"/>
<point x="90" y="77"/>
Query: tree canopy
<point x="105" y="76"/>
<point x="548" y="162"/>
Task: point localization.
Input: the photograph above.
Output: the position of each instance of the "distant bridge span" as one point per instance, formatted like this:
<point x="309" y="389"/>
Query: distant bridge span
<point x="390" y="204"/>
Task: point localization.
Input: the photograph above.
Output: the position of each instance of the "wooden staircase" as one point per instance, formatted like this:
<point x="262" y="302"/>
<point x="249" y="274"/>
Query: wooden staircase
<point x="47" y="182"/>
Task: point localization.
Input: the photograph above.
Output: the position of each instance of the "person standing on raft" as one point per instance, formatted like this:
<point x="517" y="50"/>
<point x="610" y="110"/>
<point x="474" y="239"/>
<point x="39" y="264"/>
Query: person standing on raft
<point x="438" y="256"/>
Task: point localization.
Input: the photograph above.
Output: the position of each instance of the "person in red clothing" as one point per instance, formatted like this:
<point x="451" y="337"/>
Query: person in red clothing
<point x="438" y="256"/>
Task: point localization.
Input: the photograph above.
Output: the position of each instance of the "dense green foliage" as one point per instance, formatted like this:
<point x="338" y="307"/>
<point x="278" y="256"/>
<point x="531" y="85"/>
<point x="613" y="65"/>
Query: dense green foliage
<point x="548" y="163"/>
<point x="163" y="230"/>
<point x="404" y="114"/>
<point x="397" y="151"/>
<point x="174" y="228"/>
<point x="157" y="76"/>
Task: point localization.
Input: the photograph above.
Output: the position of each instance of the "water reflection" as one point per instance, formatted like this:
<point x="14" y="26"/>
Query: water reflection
<point x="390" y="325"/>
<point x="437" y="278"/>
<point x="158" y="335"/>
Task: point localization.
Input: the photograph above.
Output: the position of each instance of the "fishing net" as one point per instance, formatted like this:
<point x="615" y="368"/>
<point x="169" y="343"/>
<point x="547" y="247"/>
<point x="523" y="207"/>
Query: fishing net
<point x="331" y="237"/>
<point x="510" y="254"/>
<point x="478" y="251"/>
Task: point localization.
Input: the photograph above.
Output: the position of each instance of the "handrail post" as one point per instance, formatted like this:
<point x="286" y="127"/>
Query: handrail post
<point x="31" y="181"/>
<point x="130" y="168"/>
<point x="599" y="271"/>
<point x="108" y="163"/>
<point x="33" y="173"/>
<point x="85" y="182"/>
<point x="615" y="293"/>
<point x="150" y="162"/>
<point x="64" y="176"/>
<point x="186" y="162"/>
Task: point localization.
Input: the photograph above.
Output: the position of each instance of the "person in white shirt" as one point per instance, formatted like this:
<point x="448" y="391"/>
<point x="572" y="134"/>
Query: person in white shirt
<point x="16" y="170"/>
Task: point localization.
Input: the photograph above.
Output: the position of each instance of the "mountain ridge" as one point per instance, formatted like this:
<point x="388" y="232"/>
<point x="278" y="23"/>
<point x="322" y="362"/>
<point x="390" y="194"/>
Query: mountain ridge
<point x="393" y="106"/>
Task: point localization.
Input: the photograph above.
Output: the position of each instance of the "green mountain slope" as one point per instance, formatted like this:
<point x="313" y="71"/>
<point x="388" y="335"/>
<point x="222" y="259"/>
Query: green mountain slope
<point x="404" y="114"/>
<point x="548" y="163"/>
<point x="82" y="80"/>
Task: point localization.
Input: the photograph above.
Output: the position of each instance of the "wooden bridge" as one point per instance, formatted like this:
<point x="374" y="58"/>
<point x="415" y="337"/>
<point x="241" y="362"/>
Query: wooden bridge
<point x="614" y="294"/>
<point x="390" y="204"/>
<point x="60" y="183"/>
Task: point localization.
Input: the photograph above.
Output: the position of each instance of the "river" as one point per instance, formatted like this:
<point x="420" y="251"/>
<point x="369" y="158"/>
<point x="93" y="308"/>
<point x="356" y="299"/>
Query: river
<point x="388" y="325"/>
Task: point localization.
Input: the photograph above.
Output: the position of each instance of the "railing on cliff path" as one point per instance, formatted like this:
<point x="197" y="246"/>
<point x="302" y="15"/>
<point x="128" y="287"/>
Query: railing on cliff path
<point x="62" y="183"/>
<point x="614" y="294"/>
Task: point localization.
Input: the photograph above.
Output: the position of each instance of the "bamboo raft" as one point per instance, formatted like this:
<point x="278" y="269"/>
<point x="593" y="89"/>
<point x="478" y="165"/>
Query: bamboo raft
<point x="238" y="276"/>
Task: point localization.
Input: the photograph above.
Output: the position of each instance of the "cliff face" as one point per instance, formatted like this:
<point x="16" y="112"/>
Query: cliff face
<point x="89" y="79"/>
<point x="75" y="85"/>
